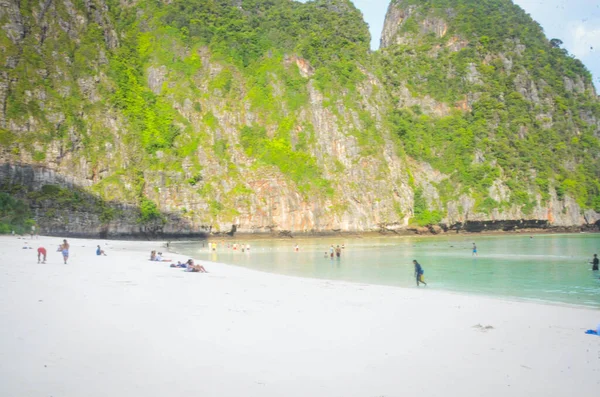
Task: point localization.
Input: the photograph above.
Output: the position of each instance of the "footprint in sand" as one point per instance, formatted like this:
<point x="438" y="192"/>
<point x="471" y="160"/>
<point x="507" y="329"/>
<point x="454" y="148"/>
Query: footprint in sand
<point x="483" y="328"/>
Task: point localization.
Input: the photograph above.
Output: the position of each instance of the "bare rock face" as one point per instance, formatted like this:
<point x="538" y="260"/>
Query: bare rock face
<point x="396" y="16"/>
<point x="427" y="104"/>
<point x="14" y="27"/>
<point x="437" y="26"/>
<point x="499" y="191"/>
<point x="156" y="78"/>
<point x="527" y="88"/>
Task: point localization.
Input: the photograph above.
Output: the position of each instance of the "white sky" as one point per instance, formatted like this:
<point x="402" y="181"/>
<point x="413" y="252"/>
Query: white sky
<point x="575" y="22"/>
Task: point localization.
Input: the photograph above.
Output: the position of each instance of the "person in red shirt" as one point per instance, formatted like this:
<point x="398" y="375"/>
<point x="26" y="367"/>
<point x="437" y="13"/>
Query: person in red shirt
<point x="41" y="253"/>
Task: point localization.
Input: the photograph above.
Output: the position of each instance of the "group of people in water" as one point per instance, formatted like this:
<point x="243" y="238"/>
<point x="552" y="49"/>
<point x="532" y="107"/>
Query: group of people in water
<point x="233" y="246"/>
<point x="335" y="251"/>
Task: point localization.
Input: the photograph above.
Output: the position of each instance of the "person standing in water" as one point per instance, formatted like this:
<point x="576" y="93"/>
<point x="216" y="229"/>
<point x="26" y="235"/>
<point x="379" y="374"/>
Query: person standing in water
<point x="595" y="262"/>
<point x="419" y="273"/>
<point x="474" y="250"/>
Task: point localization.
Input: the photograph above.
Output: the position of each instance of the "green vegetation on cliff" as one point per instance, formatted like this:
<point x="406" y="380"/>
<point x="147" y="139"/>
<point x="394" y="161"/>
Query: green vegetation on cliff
<point x="511" y="106"/>
<point x="14" y="215"/>
<point x="205" y="108"/>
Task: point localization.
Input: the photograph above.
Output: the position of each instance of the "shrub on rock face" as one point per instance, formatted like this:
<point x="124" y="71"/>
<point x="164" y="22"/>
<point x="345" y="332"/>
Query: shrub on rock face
<point x="149" y="212"/>
<point x="14" y="215"/>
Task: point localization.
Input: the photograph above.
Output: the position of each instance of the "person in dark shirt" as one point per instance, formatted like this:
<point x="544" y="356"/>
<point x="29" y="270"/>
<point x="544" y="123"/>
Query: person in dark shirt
<point x="595" y="262"/>
<point x="419" y="273"/>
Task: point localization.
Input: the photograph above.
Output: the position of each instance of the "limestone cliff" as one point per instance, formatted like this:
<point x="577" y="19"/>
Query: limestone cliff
<point x="503" y="123"/>
<point x="188" y="117"/>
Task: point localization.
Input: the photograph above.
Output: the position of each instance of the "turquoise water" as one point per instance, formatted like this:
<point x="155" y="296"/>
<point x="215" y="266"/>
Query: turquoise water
<point x="552" y="268"/>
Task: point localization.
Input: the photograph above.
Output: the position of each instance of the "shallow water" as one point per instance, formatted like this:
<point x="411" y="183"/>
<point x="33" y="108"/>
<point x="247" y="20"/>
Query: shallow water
<point x="552" y="268"/>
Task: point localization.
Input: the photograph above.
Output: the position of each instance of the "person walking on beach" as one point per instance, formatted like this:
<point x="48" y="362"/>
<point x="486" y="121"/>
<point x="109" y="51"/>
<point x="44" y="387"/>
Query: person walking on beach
<point x="41" y="253"/>
<point x="64" y="248"/>
<point x="595" y="262"/>
<point x="474" y="250"/>
<point x="419" y="273"/>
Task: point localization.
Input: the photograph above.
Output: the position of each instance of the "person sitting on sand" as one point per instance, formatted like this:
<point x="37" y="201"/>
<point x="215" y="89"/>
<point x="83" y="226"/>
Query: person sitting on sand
<point x="191" y="267"/>
<point x="419" y="273"/>
<point x="158" y="258"/>
<point x="100" y="251"/>
<point x="41" y="253"/>
<point x="152" y="255"/>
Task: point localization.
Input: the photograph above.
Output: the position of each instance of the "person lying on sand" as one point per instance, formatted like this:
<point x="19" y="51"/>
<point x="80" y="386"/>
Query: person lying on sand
<point x="191" y="267"/>
<point x="158" y="258"/>
<point x="179" y="264"/>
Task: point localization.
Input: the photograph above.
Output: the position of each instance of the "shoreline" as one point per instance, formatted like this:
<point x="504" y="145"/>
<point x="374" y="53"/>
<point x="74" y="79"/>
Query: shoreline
<point x="353" y="235"/>
<point x="286" y="234"/>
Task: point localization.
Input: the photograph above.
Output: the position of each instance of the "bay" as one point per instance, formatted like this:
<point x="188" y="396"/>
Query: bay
<point x="548" y="267"/>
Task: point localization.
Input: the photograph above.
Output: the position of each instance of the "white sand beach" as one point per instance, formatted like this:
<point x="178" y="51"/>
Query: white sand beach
<point x="120" y="325"/>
